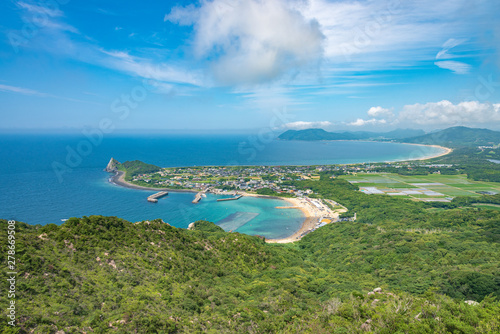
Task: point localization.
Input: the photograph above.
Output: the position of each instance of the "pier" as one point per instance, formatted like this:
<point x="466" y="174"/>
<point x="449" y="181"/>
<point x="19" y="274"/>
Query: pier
<point x="154" y="198"/>
<point x="230" y="199"/>
<point x="197" y="198"/>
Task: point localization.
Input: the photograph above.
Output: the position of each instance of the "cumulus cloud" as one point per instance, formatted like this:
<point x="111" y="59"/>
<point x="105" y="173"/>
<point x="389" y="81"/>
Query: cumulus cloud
<point x="301" y="125"/>
<point x="362" y="122"/>
<point x="378" y="112"/>
<point x="447" y="113"/>
<point x="251" y="41"/>
<point x="378" y="116"/>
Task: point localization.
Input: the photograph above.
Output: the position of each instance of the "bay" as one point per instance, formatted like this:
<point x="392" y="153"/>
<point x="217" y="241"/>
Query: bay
<point x="48" y="177"/>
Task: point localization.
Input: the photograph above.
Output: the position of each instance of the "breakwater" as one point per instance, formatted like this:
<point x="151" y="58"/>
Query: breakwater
<point x="154" y="198"/>
<point x="230" y="198"/>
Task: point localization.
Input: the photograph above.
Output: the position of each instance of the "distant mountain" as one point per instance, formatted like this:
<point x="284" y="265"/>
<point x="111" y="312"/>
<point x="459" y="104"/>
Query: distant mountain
<point x="403" y="133"/>
<point x="320" y="134"/>
<point x="314" y="134"/>
<point x="458" y="136"/>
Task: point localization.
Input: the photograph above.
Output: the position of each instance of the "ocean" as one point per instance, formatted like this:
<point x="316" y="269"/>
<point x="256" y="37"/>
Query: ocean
<point x="45" y="178"/>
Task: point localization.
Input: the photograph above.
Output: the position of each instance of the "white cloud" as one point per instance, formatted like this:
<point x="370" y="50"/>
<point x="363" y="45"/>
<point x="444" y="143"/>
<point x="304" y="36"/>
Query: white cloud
<point x="41" y="10"/>
<point x="378" y="112"/>
<point x="144" y="68"/>
<point x="251" y="41"/>
<point x="363" y="122"/>
<point x="20" y="90"/>
<point x="448" y="45"/>
<point x="399" y="29"/>
<point x="455" y="66"/>
<point x="452" y="65"/>
<point x="445" y="113"/>
<point x="54" y="37"/>
<point x="378" y="116"/>
<point x="31" y="92"/>
<point x="301" y="125"/>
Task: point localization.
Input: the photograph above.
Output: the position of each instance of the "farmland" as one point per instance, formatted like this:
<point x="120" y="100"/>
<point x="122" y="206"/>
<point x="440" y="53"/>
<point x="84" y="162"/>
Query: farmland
<point x="432" y="187"/>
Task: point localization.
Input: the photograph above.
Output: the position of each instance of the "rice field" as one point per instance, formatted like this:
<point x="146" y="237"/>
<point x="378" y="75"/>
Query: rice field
<point x="420" y="187"/>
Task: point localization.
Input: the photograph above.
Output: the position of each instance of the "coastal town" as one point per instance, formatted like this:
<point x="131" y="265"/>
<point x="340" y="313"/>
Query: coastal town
<point x="234" y="182"/>
<point x="264" y="179"/>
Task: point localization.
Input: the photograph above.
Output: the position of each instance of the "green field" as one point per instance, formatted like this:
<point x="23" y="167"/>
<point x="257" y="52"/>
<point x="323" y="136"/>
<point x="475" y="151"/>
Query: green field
<point x="488" y="206"/>
<point x="447" y="185"/>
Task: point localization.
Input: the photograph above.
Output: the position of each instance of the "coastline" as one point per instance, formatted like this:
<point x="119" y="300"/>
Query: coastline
<point x="447" y="150"/>
<point x="309" y="219"/>
<point x="309" y="223"/>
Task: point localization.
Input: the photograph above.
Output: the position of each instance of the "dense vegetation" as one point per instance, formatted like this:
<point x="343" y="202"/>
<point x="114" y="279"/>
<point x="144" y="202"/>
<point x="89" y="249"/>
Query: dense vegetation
<point x="136" y="167"/>
<point x="455" y="137"/>
<point x="474" y="162"/>
<point x="320" y="134"/>
<point x="270" y="192"/>
<point x="458" y="136"/>
<point x="104" y="274"/>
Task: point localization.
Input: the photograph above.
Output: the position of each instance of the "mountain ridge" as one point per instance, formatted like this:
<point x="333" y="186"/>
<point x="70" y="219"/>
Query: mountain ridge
<point x="458" y="136"/>
<point x="321" y="134"/>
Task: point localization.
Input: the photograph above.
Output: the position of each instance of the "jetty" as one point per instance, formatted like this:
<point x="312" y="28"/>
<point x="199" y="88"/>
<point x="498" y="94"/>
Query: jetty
<point x="154" y="198"/>
<point x="230" y="198"/>
<point x="197" y="198"/>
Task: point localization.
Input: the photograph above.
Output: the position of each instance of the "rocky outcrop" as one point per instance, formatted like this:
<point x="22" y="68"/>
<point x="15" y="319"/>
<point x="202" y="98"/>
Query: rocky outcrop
<point x="112" y="166"/>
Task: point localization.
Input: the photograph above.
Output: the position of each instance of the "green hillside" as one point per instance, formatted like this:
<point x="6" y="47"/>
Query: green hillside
<point x="320" y="134"/>
<point x="458" y="136"/>
<point x="136" y="167"/>
<point x="103" y="274"/>
<point x="314" y="134"/>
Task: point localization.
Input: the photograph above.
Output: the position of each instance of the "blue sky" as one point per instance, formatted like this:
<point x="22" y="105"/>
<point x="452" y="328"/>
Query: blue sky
<point x="249" y="64"/>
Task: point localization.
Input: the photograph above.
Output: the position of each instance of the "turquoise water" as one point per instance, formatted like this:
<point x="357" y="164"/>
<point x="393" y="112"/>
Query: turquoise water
<point x="33" y="192"/>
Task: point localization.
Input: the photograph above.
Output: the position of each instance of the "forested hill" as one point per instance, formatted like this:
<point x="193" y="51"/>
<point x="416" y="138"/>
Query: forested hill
<point x="452" y="137"/>
<point x="104" y="274"/>
<point x="458" y="136"/>
<point x="320" y="134"/>
<point x="134" y="168"/>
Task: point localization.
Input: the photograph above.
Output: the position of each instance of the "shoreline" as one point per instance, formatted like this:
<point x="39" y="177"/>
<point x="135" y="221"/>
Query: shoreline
<point x="309" y="223"/>
<point x="447" y="150"/>
<point x="309" y="219"/>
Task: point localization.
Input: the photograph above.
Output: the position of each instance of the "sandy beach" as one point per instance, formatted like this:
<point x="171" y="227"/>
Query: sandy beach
<point x="447" y="150"/>
<point x="309" y="223"/>
<point x="311" y="218"/>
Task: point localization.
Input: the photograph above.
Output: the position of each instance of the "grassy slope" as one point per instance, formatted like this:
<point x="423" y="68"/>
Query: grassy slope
<point x="113" y="276"/>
